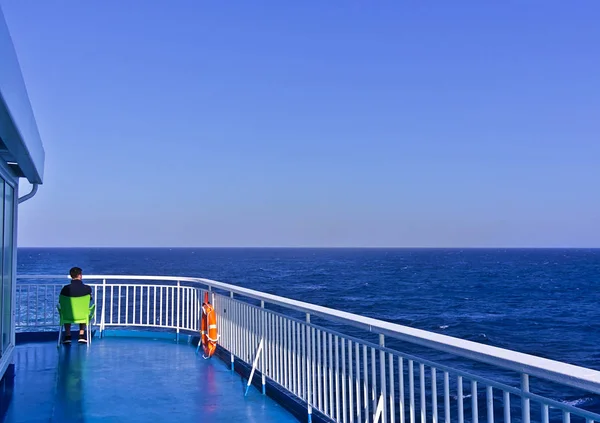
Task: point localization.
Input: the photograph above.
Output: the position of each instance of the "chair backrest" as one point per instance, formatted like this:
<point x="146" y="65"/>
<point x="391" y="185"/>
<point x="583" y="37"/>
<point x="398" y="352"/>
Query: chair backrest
<point x="74" y="308"/>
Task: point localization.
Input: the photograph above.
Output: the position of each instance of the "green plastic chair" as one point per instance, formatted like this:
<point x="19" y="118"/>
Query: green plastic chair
<point x="75" y="310"/>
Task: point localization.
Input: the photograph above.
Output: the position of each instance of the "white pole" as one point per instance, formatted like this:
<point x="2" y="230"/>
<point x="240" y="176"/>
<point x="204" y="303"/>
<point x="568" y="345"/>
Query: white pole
<point x="260" y="346"/>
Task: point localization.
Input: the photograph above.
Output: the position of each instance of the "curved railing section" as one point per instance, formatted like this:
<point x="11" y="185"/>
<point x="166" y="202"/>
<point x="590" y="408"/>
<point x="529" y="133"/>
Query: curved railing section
<point x="348" y="367"/>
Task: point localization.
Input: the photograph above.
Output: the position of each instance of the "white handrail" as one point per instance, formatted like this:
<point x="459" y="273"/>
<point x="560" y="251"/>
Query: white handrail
<point x="564" y="373"/>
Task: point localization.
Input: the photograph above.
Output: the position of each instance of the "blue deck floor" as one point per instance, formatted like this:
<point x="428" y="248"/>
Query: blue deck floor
<point x="133" y="380"/>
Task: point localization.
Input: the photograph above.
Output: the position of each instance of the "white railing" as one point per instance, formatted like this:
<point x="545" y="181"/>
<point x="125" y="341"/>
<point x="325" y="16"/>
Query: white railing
<point x="347" y="377"/>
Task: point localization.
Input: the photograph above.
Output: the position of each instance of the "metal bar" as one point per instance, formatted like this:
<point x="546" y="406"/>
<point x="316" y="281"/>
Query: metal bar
<point x="263" y="329"/>
<point x="525" y="403"/>
<point x="326" y="392"/>
<point x="293" y="363"/>
<point x="401" y="388"/>
<point x="507" y="407"/>
<point x="366" y="382"/>
<point x="474" y="409"/>
<point x="299" y="368"/>
<point x="459" y="383"/>
<point x="172" y="289"/>
<point x="288" y="359"/>
<point x="313" y="366"/>
<point x="126" y="305"/>
<point x="274" y="367"/>
<point x="566" y="417"/>
<point x="379" y="410"/>
<point x="289" y="355"/>
<point x="178" y="306"/>
<point x="319" y="370"/>
<point x="373" y="383"/>
<point x="544" y="412"/>
<point x="337" y="379"/>
<point x="357" y="367"/>
<point x="434" y="407"/>
<point x="343" y="380"/>
<point x="234" y="327"/>
<point x="422" y="389"/>
<point x="112" y="295"/>
<point x="304" y="364"/>
<point x="331" y="391"/>
<point x="350" y="383"/>
<point x="490" y="404"/>
<point x="189" y="307"/>
<point x="133" y="304"/>
<point x="119" y="306"/>
<point x="392" y="393"/>
<point x="280" y="350"/>
<point x="309" y="367"/>
<point x="446" y="398"/>
<point x="37" y="301"/>
<point x="382" y="378"/>
<point x="254" y="364"/>
<point x="160" y="313"/>
<point x="246" y="322"/>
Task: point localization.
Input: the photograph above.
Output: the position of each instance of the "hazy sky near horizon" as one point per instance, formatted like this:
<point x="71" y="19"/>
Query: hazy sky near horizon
<point x="341" y="123"/>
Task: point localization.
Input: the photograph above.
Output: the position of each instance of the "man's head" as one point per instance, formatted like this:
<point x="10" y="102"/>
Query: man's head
<point x="75" y="273"/>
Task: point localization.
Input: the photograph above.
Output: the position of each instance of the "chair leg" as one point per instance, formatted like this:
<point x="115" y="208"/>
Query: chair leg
<point x="59" y="333"/>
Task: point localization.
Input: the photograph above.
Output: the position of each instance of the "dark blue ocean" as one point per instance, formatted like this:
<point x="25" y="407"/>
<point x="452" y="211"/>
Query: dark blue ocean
<point x="542" y="302"/>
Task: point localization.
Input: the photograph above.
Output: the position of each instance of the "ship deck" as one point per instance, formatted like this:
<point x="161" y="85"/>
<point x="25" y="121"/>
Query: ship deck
<point x="129" y="379"/>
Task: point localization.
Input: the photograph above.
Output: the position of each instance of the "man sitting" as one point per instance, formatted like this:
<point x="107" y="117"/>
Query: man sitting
<point x="75" y="289"/>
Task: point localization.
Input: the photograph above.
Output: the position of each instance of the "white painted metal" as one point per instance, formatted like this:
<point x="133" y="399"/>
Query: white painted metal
<point x="391" y="393"/>
<point x="446" y="397"/>
<point x="490" y="404"/>
<point x="379" y="410"/>
<point x="401" y="393"/>
<point x="474" y="409"/>
<point x="461" y="415"/>
<point x="434" y="397"/>
<point x="357" y="367"/>
<point x="382" y="378"/>
<point x="300" y="355"/>
<point x="525" y="403"/>
<point x="350" y="383"/>
<point x="254" y="365"/>
<point x="422" y="388"/>
<point x="411" y="388"/>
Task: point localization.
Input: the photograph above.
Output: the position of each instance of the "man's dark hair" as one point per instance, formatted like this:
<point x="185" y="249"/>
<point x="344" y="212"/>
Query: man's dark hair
<point x="75" y="272"/>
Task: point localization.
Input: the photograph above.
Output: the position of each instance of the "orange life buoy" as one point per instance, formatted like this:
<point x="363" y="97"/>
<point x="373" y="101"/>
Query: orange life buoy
<point x="208" y="328"/>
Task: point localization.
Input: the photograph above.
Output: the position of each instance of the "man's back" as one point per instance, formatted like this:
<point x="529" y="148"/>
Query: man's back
<point x="76" y="289"/>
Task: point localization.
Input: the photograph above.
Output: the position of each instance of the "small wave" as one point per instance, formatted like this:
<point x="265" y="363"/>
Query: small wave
<point x="444" y="327"/>
<point x="578" y="402"/>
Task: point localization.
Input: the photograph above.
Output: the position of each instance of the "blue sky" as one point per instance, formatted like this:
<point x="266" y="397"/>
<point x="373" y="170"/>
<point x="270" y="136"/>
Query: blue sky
<point x="339" y="123"/>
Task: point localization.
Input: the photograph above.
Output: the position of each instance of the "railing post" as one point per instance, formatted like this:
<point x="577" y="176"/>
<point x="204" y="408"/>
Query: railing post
<point x="382" y="377"/>
<point x="264" y="331"/>
<point x="178" y="308"/>
<point x="233" y="345"/>
<point x="525" y="412"/>
<point x="103" y="307"/>
<point x="308" y="369"/>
